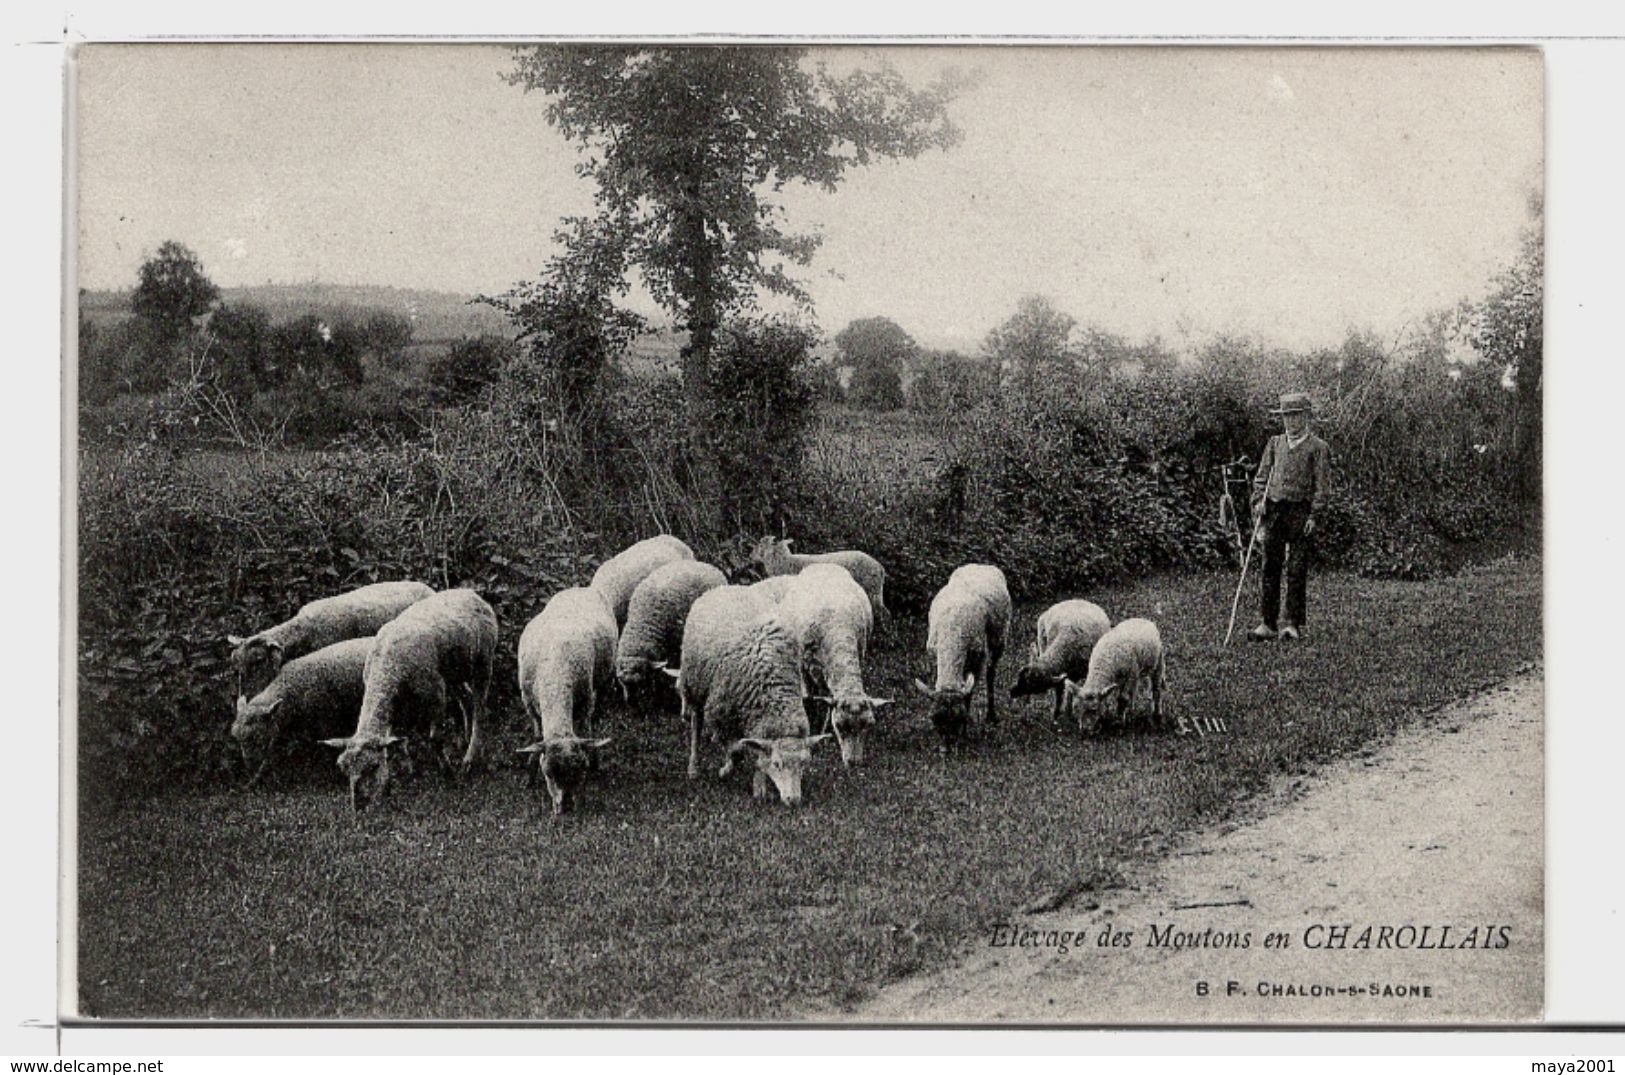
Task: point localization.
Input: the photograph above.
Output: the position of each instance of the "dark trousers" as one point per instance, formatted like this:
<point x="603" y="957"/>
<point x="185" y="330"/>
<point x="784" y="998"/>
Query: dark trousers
<point x="1285" y="546"/>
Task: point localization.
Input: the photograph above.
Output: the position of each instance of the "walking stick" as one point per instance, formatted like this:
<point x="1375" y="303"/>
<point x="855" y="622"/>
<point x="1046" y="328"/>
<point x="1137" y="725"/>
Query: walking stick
<point x="1235" y="604"/>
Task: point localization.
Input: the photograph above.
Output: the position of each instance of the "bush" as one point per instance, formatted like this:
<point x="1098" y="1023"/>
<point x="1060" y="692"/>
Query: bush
<point x="471" y="365"/>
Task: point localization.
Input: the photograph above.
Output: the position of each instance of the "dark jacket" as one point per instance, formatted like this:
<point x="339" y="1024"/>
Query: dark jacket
<point x="1295" y="474"/>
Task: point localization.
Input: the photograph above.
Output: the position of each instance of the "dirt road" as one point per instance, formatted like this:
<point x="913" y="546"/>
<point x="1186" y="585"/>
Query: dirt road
<point x="1428" y="849"/>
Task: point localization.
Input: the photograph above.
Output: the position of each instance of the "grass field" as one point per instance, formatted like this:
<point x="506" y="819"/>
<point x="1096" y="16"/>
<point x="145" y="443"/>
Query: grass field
<point x="669" y="899"/>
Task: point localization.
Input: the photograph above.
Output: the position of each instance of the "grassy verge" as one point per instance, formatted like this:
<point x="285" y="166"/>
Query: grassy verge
<point x="665" y="899"/>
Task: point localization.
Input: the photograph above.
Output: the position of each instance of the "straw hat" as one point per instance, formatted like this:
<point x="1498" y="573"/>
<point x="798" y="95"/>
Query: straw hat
<point x="1294" y="403"/>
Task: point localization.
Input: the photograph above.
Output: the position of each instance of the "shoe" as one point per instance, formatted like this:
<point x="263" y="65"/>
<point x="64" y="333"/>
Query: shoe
<point x="1262" y="633"/>
<point x="1289" y="633"/>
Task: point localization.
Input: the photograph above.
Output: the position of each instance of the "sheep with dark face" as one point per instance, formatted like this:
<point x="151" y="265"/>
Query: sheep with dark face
<point x="831" y="618"/>
<point x="440" y="645"/>
<point x="313" y="696"/>
<point x="618" y="577"/>
<point x="1067" y="633"/>
<point x="1127" y="654"/>
<point x="968" y="623"/>
<point x="653" y="635"/>
<point x="359" y="613"/>
<point x="740" y="680"/>
<point x="566" y="664"/>
<point x="775" y="558"/>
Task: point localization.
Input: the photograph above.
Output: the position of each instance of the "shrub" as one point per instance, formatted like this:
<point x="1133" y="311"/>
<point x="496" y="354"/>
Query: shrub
<point x="471" y="365"/>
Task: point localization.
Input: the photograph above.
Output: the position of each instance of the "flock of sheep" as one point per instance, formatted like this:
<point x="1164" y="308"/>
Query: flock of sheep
<point x="755" y="665"/>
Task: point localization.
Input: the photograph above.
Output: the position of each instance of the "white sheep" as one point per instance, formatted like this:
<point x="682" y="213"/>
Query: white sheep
<point x="441" y="644"/>
<point x="968" y="623"/>
<point x="317" y="695"/>
<point x="1125" y="655"/>
<point x="831" y="617"/>
<point x="618" y="577"/>
<point x="566" y="663"/>
<point x="741" y="680"/>
<point x="774" y="587"/>
<point x="1067" y="633"/>
<point x="775" y="558"/>
<point x="359" y="613"/>
<point x="653" y="635"/>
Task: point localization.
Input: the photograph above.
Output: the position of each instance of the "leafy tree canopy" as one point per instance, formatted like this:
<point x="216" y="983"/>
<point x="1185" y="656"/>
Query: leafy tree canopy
<point x="173" y="290"/>
<point x="688" y="145"/>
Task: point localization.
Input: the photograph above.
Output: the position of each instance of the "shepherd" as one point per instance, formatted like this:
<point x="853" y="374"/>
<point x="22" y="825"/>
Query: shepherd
<point x="1288" y="490"/>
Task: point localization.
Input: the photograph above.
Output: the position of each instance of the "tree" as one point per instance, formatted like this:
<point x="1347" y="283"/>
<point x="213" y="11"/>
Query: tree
<point x="1509" y="332"/>
<point x="948" y="380"/>
<point x="687" y="147"/>
<point x="1033" y="344"/>
<point x="877" y="349"/>
<point x="173" y="291"/>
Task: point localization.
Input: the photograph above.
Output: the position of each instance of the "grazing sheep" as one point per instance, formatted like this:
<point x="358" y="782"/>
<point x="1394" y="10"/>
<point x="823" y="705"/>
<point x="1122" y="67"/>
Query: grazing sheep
<point x="968" y="622"/>
<point x="1124" y="655"/>
<point x="831" y="618"/>
<point x="1067" y="633"/>
<point x="653" y="635"/>
<point x="741" y="679"/>
<point x="443" y="643"/>
<point x="357" y="614"/>
<point x="318" y="695"/>
<point x="775" y="558"/>
<point x="774" y="587"/>
<point x="566" y="663"/>
<point x="618" y="577"/>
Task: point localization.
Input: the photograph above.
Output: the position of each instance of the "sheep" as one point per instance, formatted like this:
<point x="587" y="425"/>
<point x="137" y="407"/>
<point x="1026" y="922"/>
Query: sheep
<point x="775" y="558"/>
<point x="566" y="663"/>
<point x="653" y="634"/>
<point x="356" y="614"/>
<point x="618" y="577"/>
<point x="774" y="587"/>
<point x="741" y="679"/>
<point x="832" y="619"/>
<point x="1067" y="633"/>
<point x="319" y="692"/>
<point x="1128" y="652"/>
<point x="968" y="622"/>
<point x="443" y="643"/>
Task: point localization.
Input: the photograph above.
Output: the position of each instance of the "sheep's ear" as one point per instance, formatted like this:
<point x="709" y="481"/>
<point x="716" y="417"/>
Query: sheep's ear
<point x="787" y="542"/>
<point x="920" y="686"/>
<point x="814" y="740"/>
<point x="274" y="706"/>
<point x="1108" y="690"/>
<point x="675" y="673"/>
<point x="537" y="747"/>
<point x="235" y="640"/>
<point x="242" y="706"/>
<point x="761" y="746"/>
<point x="659" y="664"/>
<point x="598" y="744"/>
<point x="970" y="682"/>
<point x="824" y="698"/>
<point x="879" y="703"/>
<point x="336" y="744"/>
<point x="275" y="648"/>
<point x="390" y="741"/>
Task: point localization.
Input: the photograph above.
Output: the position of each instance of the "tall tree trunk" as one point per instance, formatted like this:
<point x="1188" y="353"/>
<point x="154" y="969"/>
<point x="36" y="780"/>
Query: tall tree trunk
<point x="702" y="322"/>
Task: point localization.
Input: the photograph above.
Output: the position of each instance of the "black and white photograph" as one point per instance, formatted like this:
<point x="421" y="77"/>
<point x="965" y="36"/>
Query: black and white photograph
<point x="806" y="533"/>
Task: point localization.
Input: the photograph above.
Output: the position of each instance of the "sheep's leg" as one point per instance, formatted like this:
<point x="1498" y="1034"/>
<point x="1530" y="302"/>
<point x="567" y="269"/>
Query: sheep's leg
<point x="1125" y="699"/>
<point x="478" y="688"/>
<point x="692" y="712"/>
<point x="1055" y="710"/>
<point x="992" y="675"/>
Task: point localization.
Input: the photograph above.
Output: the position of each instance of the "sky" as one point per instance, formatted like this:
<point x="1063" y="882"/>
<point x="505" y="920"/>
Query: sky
<point x="1285" y="194"/>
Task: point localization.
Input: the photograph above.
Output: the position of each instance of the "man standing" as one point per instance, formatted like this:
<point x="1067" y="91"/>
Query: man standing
<point x="1289" y="488"/>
